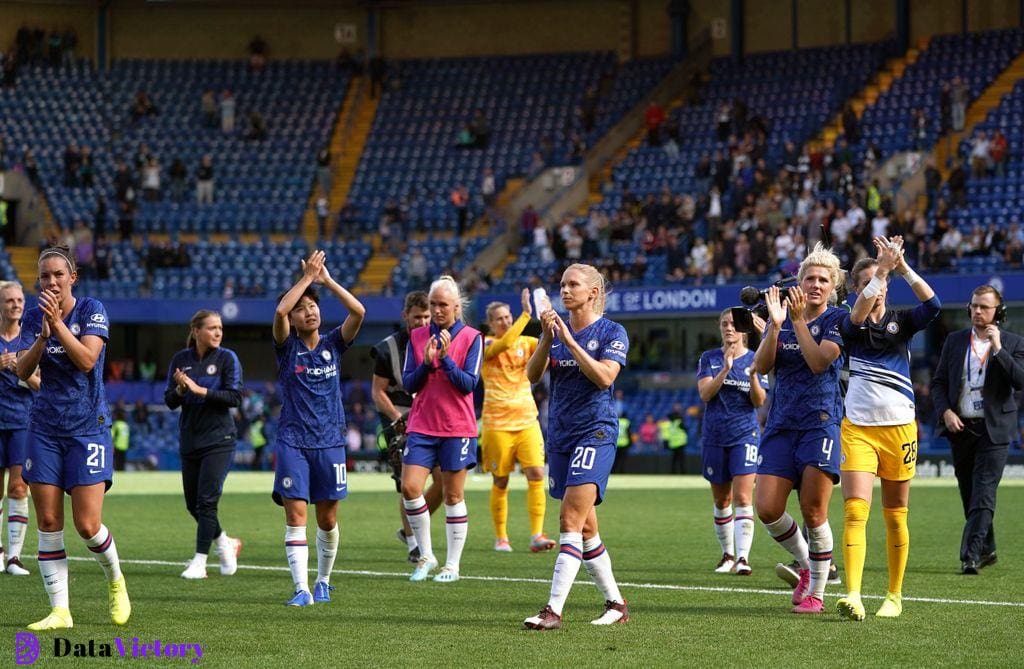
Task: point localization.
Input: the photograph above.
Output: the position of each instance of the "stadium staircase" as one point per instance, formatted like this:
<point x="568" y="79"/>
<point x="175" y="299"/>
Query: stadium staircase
<point x="23" y="260"/>
<point x="867" y="96"/>
<point x="355" y="120"/>
<point x="946" y="147"/>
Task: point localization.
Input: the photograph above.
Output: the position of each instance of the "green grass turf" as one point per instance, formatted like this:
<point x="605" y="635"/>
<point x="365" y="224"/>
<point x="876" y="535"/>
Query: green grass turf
<point x="658" y="531"/>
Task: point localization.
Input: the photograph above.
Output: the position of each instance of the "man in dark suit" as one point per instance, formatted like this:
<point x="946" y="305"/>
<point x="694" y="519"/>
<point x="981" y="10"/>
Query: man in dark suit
<point x="979" y="370"/>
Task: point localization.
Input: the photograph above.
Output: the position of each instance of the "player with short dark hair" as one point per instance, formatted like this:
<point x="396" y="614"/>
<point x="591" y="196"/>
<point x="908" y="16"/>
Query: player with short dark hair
<point x="393" y="405"/>
<point x="310" y="465"/>
<point x="585" y="356"/>
<point x="879" y="432"/>
<point x="205" y="380"/>
<point x="442" y="368"/>
<point x="732" y="391"/>
<point x="15" y="404"/>
<point x="69" y="441"/>
<point x="803" y="345"/>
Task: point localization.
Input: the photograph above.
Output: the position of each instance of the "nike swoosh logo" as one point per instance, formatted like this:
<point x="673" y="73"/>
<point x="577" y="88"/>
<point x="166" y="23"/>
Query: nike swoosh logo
<point x="824" y="464"/>
<point x="555" y="345"/>
<point x="302" y="353"/>
<point x="95" y="471"/>
<point x="575" y="473"/>
<point x="339" y="488"/>
<point x="715" y="366"/>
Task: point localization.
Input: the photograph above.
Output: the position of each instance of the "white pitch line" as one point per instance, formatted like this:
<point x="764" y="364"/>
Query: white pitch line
<point x="644" y="586"/>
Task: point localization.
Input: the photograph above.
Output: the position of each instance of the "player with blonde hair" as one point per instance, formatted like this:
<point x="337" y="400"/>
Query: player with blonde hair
<point x="510" y="431"/>
<point x="15" y="404"/>
<point x="803" y="345"/>
<point x="585" y="356"/>
<point x="442" y="368"/>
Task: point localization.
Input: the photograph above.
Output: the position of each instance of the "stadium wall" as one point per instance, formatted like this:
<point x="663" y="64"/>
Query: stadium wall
<point x="444" y="28"/>
<point x="50" y="15"/>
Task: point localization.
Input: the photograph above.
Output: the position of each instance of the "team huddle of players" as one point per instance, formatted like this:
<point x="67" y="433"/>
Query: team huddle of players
<point x="423" y="385"/>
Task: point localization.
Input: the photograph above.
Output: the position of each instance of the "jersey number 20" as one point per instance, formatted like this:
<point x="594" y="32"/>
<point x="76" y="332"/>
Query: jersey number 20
<point x="583" y="457"/>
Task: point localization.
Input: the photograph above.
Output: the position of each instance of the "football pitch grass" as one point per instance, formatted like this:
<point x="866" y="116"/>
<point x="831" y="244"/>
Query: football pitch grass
<point x="659" y="533"/>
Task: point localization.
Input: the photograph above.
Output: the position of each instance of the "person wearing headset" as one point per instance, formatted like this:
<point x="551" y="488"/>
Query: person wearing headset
<point x="979" y="370"/>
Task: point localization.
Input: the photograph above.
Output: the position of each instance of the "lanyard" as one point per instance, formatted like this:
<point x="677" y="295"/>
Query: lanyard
<point x="983" y="359"/>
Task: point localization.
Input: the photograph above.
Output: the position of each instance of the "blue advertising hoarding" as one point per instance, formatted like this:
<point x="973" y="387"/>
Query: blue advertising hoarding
<point x="669" y="300"/>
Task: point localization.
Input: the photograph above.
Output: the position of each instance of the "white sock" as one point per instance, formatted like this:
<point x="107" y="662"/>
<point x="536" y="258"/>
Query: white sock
<point x="743" y="531"/>
<point x="326" y="551"/>
<point x="820" y="548"/>
<point x="223" y="542"/>
<point x="567" y="565"/>
<point x="785" y="531"/>
<point x="418" y="514"/>
<point x="410" y="541"/>
<point x="17" y="525"/>
<point x="104" y="549"/>
<point x="297" y="549"/>
<point x="53" y="567"/>
<point x="724" y="529"/>
<point x="456" y="528"/>
<point x="599" y="566"/>
<point x="199" y="559"/>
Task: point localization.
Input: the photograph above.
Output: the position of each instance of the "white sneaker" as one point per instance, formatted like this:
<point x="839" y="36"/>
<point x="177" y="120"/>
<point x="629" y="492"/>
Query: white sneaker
<point x="615" y="613"/>
<point x="446" y="575"/>
<point x="194" y="571"/>
<point x="15" y="568"/>
<point x="229" y="556"/>
<point x="726" y="564"/>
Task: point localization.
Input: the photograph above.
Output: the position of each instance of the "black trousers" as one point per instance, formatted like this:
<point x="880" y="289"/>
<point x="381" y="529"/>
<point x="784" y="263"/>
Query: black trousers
<point x="678" y="460"/>
<point x="202" y="477"/>
<point x="978" y="464"/>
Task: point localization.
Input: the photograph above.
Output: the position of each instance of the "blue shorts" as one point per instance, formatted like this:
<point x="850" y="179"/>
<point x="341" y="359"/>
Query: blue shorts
<point x="721" y="465"/>
<point x="785" y="453"/>
<point x="453" y="454"/>
<point x="12" y="447"/>
<point x="310" y="474"/>
<point x="588" y="463"/>
<point x="69" y="462"/>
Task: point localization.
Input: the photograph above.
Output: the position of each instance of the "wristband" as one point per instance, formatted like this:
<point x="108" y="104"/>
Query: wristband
<point x="911" y="277"/>
<point x="873" y="288"/>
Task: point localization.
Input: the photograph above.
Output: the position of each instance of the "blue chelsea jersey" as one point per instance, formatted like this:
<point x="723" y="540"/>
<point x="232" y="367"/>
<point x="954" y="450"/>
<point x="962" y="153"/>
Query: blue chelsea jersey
<point x="70" y="402"/>
<point x="15" y="399"/>
<point x="730" y="418"/>
<point x="579" y="412"/>
<point x="312" y="414"/>
<point x="801" y="399"/>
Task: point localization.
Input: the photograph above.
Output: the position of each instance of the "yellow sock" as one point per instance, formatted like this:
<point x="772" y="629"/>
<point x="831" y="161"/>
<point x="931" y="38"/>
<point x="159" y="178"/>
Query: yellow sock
<point x="897" y="546"/>
<point x="855" y="541"/>
<point x="499" y="511"/>
<point x="536" y="500"/>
